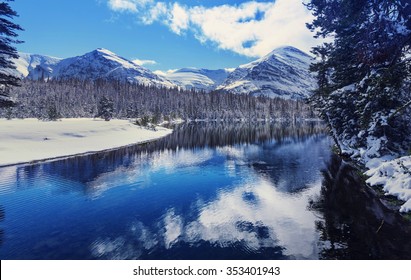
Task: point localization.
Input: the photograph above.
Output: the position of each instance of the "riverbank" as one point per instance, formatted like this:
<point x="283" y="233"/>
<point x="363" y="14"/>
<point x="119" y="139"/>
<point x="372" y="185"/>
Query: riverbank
<point x="28" y="140"/>
<point x="388" y="177"/>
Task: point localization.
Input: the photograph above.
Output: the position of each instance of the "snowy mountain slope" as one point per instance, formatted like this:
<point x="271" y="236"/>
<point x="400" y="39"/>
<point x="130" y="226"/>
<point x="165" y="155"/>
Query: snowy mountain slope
<point x="98" y="64"/>
<point x="282" y="73"/>
<point x="34" y="66"/>
<point x="203" y="79"/>
<point x="104" y="64"/>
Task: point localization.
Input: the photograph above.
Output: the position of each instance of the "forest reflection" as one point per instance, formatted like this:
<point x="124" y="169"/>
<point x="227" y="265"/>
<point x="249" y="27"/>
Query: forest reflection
<point x="216" y="190"/>
<point x="355" y="223"/>
<point x="190" y="136"/>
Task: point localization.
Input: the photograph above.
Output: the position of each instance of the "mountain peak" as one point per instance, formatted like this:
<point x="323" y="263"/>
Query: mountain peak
<point x="97" y="64"/>
<point x="100" y="52"/>
<point x="284" y="73"/>
<point x="289" y="51"/>
<point x="104" y="51"/>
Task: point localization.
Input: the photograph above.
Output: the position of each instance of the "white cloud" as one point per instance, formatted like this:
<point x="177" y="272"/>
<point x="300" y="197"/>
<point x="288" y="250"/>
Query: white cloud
<point x="155" y="13"/>
<point x="128" y="5"/>
<point x="178" y="18"/>
<point x="122" y="5"/>
<point x="231" y="27"/>
<point x="252" y="29"/>
<point x="144" y="62"/>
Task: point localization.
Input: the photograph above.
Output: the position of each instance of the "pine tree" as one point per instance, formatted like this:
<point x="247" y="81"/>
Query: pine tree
<point x="364" y="73"/>
<point x="7" y="51"/>
<point x="105" y="108"/>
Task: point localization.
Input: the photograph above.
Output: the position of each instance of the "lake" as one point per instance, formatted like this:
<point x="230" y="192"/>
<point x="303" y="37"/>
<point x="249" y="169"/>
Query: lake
<point x="207" y="191"/>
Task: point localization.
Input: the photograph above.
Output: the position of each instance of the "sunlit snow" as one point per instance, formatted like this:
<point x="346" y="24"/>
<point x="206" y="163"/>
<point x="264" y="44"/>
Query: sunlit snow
<point x="31" y="140"/>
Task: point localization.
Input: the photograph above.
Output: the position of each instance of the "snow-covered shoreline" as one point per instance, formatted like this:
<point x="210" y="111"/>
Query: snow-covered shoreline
<point x="28" y="140"/>
<point x="390" y="172"/>
<point x="395" y="178"/>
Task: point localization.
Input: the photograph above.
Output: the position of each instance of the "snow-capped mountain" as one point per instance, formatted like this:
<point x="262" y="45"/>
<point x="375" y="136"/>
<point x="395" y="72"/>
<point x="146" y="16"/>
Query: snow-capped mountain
<point x="203" y="79"/>
<point x="282" y="73"/>
<point x="34" y="66"/>
<point x="98" y="64"/>
<point x="102" y="63"/>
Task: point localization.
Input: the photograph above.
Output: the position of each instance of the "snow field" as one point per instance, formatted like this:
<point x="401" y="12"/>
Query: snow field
<point x="28" y="140"/>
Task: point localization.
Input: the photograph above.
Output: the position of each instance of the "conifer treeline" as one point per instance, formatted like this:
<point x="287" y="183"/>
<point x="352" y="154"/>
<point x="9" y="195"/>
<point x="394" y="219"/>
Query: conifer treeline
<point x="75" y="98"/>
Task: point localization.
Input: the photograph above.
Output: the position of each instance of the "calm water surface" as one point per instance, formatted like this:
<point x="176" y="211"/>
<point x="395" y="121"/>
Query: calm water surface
<point x="208" y="191"/>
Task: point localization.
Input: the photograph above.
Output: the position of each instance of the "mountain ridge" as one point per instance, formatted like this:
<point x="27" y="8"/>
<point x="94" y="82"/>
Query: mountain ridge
<point x="281" y="73"/>
<point x="197" y="78"/>
<point x="97" y="64"/>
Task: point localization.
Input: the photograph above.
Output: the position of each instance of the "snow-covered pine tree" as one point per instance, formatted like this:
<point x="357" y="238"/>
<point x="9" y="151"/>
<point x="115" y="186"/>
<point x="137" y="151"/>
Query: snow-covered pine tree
<point x="105" y="108"/>
<point x="364" y="73"/>
<point x="7" y="52"/>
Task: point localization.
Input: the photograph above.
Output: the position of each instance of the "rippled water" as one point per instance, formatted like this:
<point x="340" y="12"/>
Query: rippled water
<point x="207" y="191"/>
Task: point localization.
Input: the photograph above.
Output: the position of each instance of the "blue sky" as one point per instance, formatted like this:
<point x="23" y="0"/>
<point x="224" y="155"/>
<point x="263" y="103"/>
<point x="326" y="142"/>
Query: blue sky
<point x="164" y="35"/>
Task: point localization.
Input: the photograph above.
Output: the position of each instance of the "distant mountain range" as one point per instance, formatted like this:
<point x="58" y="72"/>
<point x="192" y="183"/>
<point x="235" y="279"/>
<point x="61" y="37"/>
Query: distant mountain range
<point x="203" y="79"/>
<point x="282" y="73"/>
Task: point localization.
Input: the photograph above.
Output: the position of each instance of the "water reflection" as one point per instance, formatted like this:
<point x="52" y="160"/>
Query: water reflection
<point x="272" y="220"/>
<point x="2" y="217"/>
<point x="208" y="191"/>
<point x="290" y="164"/>
<point x="179" y="148"/>
<point x="355" y="224"/>
<point x="262" y="217"/>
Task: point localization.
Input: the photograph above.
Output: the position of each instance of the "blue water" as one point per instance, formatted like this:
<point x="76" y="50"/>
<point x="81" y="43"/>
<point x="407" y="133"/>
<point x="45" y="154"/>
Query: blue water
<point x="207" y="191"/>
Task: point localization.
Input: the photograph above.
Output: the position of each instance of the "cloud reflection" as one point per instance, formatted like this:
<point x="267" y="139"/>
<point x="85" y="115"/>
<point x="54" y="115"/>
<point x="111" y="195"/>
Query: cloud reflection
<point x="255" y="215"/>
<point x="270" y="218"/>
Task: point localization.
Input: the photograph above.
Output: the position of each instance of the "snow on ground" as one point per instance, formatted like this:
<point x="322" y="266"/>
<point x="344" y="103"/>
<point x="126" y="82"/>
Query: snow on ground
<point x="395" y="177"/>
<point x="391" y="173"/>
<point x="29" y="140"/>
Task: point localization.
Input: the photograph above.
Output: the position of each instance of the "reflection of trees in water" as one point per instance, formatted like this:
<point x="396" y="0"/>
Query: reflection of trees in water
<point x="356" y="225"/>
<point x="188" y="136"/>
<point x="216" y="134"/>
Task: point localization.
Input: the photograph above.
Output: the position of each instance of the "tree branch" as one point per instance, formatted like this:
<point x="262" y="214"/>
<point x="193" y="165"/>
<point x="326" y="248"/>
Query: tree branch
<point x="399" y="110"/>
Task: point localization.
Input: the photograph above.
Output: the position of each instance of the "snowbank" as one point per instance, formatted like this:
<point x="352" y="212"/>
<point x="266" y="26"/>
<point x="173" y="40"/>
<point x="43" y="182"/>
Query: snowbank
<point x="395" y="177"/>
<point x="29" y="140"/>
